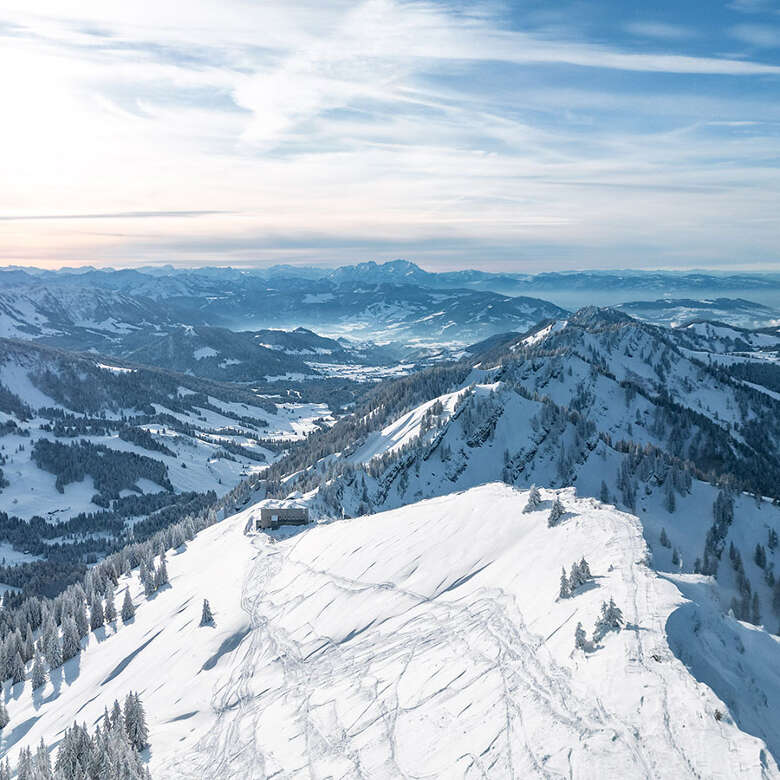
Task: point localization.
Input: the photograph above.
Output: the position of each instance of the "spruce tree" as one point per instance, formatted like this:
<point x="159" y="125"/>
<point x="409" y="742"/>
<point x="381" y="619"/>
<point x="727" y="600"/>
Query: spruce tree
<point x="611" y="619"/>
<point x="3" y="662"/>
<point x="564" y="591"/>
<point x="755" y="612"/>
<point x="52" y="649"/>
<point x="117" y="719"/>
<point x="161" y="575"/>
<point x="128" y="610"/>
<point x="580" y="641"/>
<point x="80" y="617"/>
<point x="42" y="763"/>
<point x="71" y="642"/>
<point x="206" y="619"/>
<point x="96" y="616"/>
<point x="28" y="646"/>
<point x="24" y="766"/>
<point x="135" y="722"/>
<point x="556" y="513"/>
<point x="110" y="609"/>
<point x="534" y="499"/>
<point x="4" y="718"/>
<point x="38" y="673"/>
<point x="17" y="669"/>
<point x="669" y="500"/>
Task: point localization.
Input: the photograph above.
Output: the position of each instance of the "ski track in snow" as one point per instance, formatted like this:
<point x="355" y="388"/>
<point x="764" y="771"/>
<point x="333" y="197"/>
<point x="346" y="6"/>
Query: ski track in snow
<point x="487" y="638"/>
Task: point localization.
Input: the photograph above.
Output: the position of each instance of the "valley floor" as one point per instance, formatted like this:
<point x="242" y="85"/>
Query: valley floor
<point x="427" y="641"/>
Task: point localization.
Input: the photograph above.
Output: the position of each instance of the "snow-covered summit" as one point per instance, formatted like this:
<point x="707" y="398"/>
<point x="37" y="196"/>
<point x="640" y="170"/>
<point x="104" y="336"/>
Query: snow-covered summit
<point x="430" y="640"/>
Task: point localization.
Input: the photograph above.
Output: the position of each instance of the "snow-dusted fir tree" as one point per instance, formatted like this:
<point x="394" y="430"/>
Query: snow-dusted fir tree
<point x="80" y="616"/>
<point x="16" y="669"/>
<point x="604" y="493"/>
<point x="4" y="718"/>
<point x="556" y="513"/>
<point x="161" y="575"/>
<point x="135" y="722"/>
<point x="24" y="767"/>
<point x="110" y="608"/>
<point x="96" y="615"/>
<point x="669" y="499"/>
<point x="664" y="539"/>
<point x="38" y="673"/>
<point x="147" y="579"/>
<point x="580" y="574"/>
<point x="52" y="648"/>
<point x="128" y="610"/>
<point x="564" y="591"/>
<point x="534" y="499"/>
<point x="611" y="619"/>
<point x="580" y="640"/>
<point x="42" y="763"/>
<point x="71" y="642"/>
<point x="206" y="618"/>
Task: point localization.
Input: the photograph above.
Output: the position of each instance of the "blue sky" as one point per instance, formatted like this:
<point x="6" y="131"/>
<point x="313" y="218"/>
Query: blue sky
<point x="506" y="136"/>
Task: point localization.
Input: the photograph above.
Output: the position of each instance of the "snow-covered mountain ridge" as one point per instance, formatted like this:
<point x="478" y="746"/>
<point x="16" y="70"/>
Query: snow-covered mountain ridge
<point x="424" y="641"/>
<point x="601" y="402"/>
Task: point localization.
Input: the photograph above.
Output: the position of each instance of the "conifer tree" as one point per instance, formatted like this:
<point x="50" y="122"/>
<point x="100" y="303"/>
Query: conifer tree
<point x="17" y="669"/>
<point x="38" y="673"/>
<point x="117" y="719"/>
<point x="96" y="616"/>
<point x="206" y="619"/>
<point x="604" y="493"/>
<point x="161" y="575"/>
<point x="534" y="499"/>
<point x="556" y="513"/>
<point x="611" y="619"/>
<point x="3" y="662"/>
<point x="564" y="591"/>
<point x="80" y="617"/>
<point x="669" y="500"/>
<point x="4" y="718"/>
<point x="42" y="763"/>
<point x="135" y="722"/>
<point x="28" y="646"/>
<point x="52" y="649"/>
<point x="24" y="767"/>
<point x="110" y="609"/>
<point x="580" y="640"/>
<point x="128" y="610"/>
<point x="71" y="642"/>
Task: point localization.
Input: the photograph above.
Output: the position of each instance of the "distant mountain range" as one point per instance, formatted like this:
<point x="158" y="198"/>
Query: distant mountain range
<point x="392" y="302"/>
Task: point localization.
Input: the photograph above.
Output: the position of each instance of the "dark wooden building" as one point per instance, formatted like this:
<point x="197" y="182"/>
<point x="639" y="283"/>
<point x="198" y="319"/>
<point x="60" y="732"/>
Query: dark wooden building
<point x="274" y="516"/>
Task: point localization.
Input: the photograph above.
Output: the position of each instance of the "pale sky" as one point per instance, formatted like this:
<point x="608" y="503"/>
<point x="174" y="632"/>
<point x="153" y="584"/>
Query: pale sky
<point x="521" y="136"/>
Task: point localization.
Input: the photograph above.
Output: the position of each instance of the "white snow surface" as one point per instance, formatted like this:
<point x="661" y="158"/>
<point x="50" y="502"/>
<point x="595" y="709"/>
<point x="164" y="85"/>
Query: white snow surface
<point x="427" y="641"/>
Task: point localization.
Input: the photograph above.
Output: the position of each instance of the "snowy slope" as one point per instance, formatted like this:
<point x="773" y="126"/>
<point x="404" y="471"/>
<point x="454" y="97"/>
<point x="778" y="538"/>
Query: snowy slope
<point x="424" y="641"/>
<point x="211" y="441"/>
